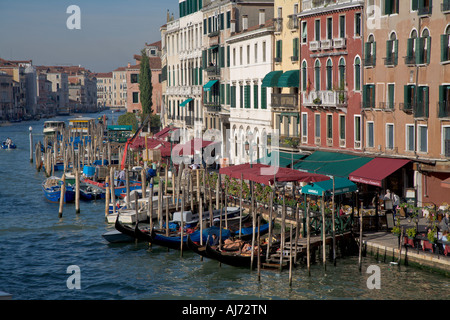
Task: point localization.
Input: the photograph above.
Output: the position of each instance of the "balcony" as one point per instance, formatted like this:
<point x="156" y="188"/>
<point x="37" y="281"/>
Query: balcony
<point x="278" y="23"/>
<point x="425" y="10"/>
<point x="369" y="61"/>
<point x="326" y="44"/>
<point x="325" y="99"/>
<point x="314" y="45"/>
<point x="339" y="43"/>
<point x="443" y="109"/>
<point x="406" y="107"/>
<point x="287" y="142"/>
<point x="214" y="33"/>
<point x="390" y="61"/>
<point x="294" y="58"/>
<point x="213" y="71"/>
<point x="212" y="107"/>
<point x="285" y="101"/>
<point x="421" y="110"/>
<point x="293" y="22"/>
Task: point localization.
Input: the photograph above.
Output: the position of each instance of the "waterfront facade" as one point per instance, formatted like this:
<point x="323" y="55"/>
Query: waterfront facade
<point x="104" y="89"/>
<point x="120" y="87"/>
<point x="406" y="92"/>
<point x="331" y="83"/>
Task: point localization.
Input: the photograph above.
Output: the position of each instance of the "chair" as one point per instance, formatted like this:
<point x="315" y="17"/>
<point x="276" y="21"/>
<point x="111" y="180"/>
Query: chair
<point x="447" y="250"/>
<point x="427" y="246"/>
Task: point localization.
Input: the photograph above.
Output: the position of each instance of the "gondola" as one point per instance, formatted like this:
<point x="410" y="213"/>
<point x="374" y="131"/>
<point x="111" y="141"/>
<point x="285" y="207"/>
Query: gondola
<point x="238" y="259"/>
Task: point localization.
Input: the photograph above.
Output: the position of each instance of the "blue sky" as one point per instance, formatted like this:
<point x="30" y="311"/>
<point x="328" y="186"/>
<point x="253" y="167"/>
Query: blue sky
<point x="112" y="31"/>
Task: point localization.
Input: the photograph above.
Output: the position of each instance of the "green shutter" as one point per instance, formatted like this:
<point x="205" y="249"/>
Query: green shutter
<point x="391" y="91"/>
<point x="228" y="19"/>
<point x="426" y="93"/>
<point x="406" y="97"/>
<point x="222" y="23"/>
<point x="247" y="96"/>
<point x="365" y="101"/>
<point x="367" y="50"/>
<point x="222" y="93"/>
<point x="387" y="6"/>
<point x="263" y="97"/>
<point x="233" y="97"/>
<point x="444" y="47"/>
<point x="395" y="52"/>
<point x="204" y="58"/>
<point x="414" y="5"/>
<point x="241" y="96"/>
<point x="428" y="39"/>
<point x="374" y="44"/>
<point x="205" y="26"/>
<point x="255" y="96"/>
<point x="389" y="45"/>
<point x="409" y="49"/>
<point x="420" y="43"/>
<point x="228" y="56"/>
<point x="295" y="47"/>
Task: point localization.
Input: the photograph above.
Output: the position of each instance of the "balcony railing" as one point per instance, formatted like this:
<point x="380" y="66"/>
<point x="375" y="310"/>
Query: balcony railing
<point x="289" y="142"/>
<point x="369" y="61"/>
<point x="213" y="71"/>
<point x="293" y="22"/>
<point x="410" y="60"/>
<point x="339" y="43"/>
<point x="421" y="110"/>
<point x="443" y="109"/>
<point x="389" y="61"/>
<point x="284" y="100"/>
<point x="326" y="44"/>
<point x="314" y="45"/>
<point x="278" y="22"/>
<point x="425" y="11"/>
<point x="212" y="106"/>
<point x="335" y="99"/>
<point x="406" y="107"/>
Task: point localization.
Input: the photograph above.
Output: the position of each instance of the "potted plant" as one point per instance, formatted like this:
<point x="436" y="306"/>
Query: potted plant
<point x="411" y="234"/>
<point x="317" y="101"/>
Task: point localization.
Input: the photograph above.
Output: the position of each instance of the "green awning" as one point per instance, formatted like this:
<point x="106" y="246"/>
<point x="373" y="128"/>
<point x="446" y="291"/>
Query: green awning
<point x="283" y="159"/>
<point x="185" y="102"/>
<point x="332" y="163"/>
<point x="341" y="185"/>
<point x="271" y="79"/>
<point x="208" y="86"/>
<point x="289" y="79"/>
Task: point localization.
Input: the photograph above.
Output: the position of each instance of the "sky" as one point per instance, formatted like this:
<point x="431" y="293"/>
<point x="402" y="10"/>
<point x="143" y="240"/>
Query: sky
<point x="112" y="31"/>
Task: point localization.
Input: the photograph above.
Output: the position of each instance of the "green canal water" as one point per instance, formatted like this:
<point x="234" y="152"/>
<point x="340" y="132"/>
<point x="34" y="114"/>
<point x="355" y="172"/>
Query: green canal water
<point x="37" y="247"/>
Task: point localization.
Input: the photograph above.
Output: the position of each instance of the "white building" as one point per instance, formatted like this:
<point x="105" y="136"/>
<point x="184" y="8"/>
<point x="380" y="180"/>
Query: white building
<point x="250" y="112"/>
<point x="183" y="56"/>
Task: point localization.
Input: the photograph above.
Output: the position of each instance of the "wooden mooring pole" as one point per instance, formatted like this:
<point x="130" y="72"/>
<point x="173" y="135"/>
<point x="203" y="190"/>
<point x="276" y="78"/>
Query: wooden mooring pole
<point x="62" y="196"/>
<point x="77" y="191"/>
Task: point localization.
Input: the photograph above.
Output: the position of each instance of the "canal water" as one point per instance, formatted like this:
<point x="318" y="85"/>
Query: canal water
<point x="37" y="248"/>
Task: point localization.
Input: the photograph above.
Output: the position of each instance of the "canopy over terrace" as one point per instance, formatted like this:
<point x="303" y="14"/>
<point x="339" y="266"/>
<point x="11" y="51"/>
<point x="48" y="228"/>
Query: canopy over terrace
<point x="140" y="144"/>
<point x="341" y="186"/>
<point x="191" y="148"/>
<point x="265" y="174"/>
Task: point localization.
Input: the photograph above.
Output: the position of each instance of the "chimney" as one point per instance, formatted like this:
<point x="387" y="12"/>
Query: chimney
<point x="244" y="22"/>
<point x="262" y="17"/>
<point x="129" y="64"/>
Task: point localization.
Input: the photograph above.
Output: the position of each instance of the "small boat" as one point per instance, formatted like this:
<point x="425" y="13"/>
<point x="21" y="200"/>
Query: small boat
<point x="52" y="190"/>
<point x="10" y="145"/>
<point x="242" y="256"/>
<point x="90" y="192"/>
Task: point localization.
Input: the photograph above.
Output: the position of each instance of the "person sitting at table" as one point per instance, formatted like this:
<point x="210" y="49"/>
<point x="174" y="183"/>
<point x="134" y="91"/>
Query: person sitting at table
<point x="444" y="225"/>
<point x="444" y="238"/>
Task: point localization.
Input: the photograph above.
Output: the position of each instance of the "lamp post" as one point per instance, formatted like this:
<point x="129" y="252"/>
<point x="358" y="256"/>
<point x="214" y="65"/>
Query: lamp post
<point x="31" y="143"/>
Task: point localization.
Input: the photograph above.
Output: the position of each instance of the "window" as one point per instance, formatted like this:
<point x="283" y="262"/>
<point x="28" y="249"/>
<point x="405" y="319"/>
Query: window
<point x="317" y="75"/>
<point x="341" y="26"/>
<point x="135" y="97"/>
<point x="255" y="96"/>
<point x="444" y="101"/>
<point x="391" y="96"/>
<point x="240" y="55"/>
<point x="423" y="99"/>
<point x="329" y="75"/>
<point x="317" y="30"/>
<point x="414" y="5"/>
<point x="410" y="137"/>
<point x="233" y="97"/>
<point x="278" y="52"/>
<point x="390" y="7"/>
<point x="256" y="52"/>
<point x="329" y="28"/>
<point x="234" y="56"/>
<point x="263" y="97"/>
<point x="370" y="52"/>
<point x="317" y="125"/>
<point x="370" y="135"/>
<point x="295" y="49"/>
<point x="304" y="32"/>
<point x="341" y="127"/>
<point x="445" y="45"/>
<point x="422" y="136"/>
<point x="410" y="58"/>
<point x="342" y="74"/>
<point x="390" y="136"/>
<point x="357" y="74"/>
<point x="369" y="96"/>
<point x="446" y="141"/>
<point x="264" y="51"/>
<point x="228" y="19"/>
<point x="357" y="131"/>
<point x="304" y="76"/>
<point x="247" y="96"/>
<point x="392" y="50"/>
<point x="329" y="126"/>
<point x="423" y="46"/>
<point x="248" y="54"/>
<point x="424" y="7"/>
<point x="357" y="24"/>
<point x="409" y="97"/>
<point x="305" y="126"/>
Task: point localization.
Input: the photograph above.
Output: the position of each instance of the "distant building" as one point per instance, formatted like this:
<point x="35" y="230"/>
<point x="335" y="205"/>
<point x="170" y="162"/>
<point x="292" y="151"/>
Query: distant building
<point x="104" y="89"/>
<point x="120" y="87"/>
<point x="6" y="96"/>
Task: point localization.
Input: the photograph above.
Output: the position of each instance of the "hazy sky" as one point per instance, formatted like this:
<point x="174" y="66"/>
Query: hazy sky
<point x="112" y="31"/>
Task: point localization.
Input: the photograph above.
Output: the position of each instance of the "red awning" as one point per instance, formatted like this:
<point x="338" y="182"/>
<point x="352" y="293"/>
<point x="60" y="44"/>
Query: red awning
<point x="446" y="183"/>
<point x="265" y="174"/>
<point x="189" y="148"/>
<point x="164" y="133"/>
<point x="375" y="171"/>
<point x="139" y="143"/>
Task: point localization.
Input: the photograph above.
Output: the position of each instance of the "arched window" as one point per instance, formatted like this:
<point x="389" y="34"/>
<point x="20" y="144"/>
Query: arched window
<point x="317" y="75"/>
<point x="392" y="50"/>
<point x="445" y="45"/>
<point x="304" y="76"/>
<point x="370" y="49"/>
<point x="342" y="74"/>
<point x="357" y="74"/>
<point x="329" y="74"/>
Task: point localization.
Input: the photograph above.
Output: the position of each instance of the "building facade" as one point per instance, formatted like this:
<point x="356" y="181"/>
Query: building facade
<point x="104" y="89"/>
<point x="406" y="92"/>
<point x="250" y="107"/>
